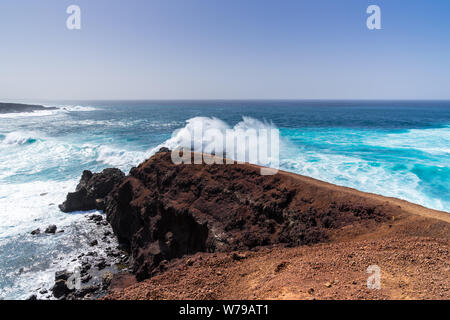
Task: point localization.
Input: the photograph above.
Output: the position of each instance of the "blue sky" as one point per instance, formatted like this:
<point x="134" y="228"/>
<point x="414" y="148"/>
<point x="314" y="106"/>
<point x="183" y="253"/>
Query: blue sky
<point x="227" y="49"/>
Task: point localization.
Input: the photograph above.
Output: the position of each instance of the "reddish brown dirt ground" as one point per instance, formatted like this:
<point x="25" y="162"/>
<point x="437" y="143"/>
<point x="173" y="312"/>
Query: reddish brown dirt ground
<point x="411" y="248"/>
<point x="411" y="268"/>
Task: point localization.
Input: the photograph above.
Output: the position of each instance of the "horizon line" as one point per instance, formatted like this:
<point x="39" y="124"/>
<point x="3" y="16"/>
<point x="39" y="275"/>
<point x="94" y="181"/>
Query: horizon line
<point x="233" y="99"/>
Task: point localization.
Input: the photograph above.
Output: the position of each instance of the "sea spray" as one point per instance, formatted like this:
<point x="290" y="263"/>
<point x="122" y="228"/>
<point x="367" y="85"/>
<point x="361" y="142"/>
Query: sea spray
<point x="20" y="138"/>
<point x="250" y="140"/>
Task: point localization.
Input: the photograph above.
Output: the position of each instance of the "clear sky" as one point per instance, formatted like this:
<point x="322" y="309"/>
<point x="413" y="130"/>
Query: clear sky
<point x="224" y="49"/>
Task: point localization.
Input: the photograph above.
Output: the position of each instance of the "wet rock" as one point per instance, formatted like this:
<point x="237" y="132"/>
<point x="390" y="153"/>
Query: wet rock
<point x="163" y="149"/>
<point x="93" y="243"/>
<point x="85" y="266"/>
<point x="86" y="290"/>
<point x="78" y="201"/>
<point x="102" y="264"/>
<point x="43" y="291"/>
<point x="91" y="190"/>
<point x="60" y="289"/>
<point x="32" y="297"/>
<point x="51" y="229"/>
<point x="62" y="275"/>
<point x="114" y="254"/>
<point x="86" y="278"/>
<point x="36" y="232"/>
<point x="96" y="217"/>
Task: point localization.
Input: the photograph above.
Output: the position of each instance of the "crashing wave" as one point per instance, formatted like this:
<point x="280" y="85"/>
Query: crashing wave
<point x="119" y="158"/>
<point x="201" y="134"/>
<point x="20" y="138"/>
<point x="77" y="108"/>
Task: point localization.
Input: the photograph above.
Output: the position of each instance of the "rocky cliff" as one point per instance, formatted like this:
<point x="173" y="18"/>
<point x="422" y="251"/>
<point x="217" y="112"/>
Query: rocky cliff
<point x="226" y="232"/>
<point x="163" y="211"/>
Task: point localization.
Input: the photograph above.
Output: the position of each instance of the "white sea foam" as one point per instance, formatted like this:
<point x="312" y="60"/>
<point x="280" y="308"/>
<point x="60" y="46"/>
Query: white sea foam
<point x="37" y="113"/>
<point x="25" y="203"/>
<point x="119" y="157"/>
<point x="198" y="127"/>
<point x="29" y="262"/>
<point x="20" y="137"/>
<point x="360" y="174"/>
<point x="77" y="108"/>
<point x="433" y="141"/>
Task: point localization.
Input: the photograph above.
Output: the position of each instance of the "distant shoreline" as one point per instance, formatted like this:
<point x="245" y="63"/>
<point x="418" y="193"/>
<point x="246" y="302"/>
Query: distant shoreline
<point x="19" y="108"/>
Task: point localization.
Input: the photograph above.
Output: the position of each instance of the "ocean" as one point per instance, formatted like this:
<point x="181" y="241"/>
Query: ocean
<point x="393" y="148"/>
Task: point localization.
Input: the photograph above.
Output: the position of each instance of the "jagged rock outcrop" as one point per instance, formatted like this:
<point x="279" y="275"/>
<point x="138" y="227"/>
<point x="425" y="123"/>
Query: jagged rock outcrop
<point x="163" y="211"/>
<point x="92" y="189"/>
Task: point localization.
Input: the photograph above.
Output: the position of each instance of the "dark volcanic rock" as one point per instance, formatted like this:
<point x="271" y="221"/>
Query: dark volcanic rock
<point x="163" y="149"/>
<point x="60" y="289"/>
<point x="62" y="275"/>
<point x="51" y="229"/>
<point x="91" y="190"/>
<point x="36" y="232"/>
<point x="86" y="290"/>
<point x="163" y="211"/>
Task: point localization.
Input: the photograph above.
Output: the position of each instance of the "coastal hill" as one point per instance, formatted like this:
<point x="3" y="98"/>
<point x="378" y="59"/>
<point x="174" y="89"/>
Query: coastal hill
<point x="19" y="107"/>
<point x="227" y="232"/>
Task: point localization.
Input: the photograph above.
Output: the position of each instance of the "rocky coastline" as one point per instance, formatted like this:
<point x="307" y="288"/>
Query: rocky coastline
<point x="162" y="216"/>
<point x="106" y="257"/>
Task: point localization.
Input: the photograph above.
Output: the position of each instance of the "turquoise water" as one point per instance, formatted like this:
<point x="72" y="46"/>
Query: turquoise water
<point x="399" y="149"/>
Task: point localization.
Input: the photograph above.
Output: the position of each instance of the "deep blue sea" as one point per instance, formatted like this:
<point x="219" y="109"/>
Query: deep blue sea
<point x="399" y="149"/>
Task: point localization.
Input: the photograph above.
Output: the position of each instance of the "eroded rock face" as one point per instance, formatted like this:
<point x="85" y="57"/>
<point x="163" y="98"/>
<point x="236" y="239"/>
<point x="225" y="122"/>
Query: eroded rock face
<point x="163" y="211"/>
<point x="91" y="190"/>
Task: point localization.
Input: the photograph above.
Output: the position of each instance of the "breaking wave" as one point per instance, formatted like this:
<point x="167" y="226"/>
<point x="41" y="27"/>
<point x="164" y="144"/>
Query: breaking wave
<point x="196" y="135"/>
<point x="20" y="138"/>
<point x="77" y="108"/>
<point x="119" y="157"/>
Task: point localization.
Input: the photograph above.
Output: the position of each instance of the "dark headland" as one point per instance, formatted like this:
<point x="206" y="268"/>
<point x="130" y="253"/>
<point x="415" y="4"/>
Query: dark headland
<point x="19" y="107"/>
<point x="227" y="232"/>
